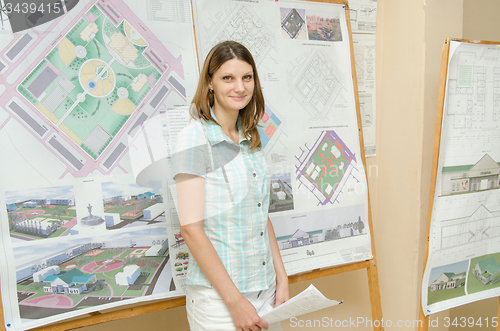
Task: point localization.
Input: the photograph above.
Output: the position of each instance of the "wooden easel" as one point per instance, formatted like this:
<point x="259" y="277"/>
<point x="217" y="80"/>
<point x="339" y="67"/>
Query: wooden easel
<point x="369" y="265"/>
<point x="424" y="320"/>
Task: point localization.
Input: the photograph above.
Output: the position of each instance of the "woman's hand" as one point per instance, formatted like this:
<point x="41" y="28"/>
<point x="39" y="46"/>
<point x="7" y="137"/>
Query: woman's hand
<point x="245" y="316"/>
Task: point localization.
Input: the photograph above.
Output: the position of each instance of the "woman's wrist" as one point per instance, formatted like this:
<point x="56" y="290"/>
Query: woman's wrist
<point x="281" y="278"/>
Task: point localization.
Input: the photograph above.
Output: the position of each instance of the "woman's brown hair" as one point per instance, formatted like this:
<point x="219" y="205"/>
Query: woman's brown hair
<point x="203" y="99"/>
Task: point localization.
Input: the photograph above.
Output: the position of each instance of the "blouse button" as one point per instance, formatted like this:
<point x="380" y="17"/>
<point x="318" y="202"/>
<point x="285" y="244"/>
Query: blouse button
<point x="254" y="174"/>
<point x="262" y="233"/>
<point x="263" y="263"/>
<point x="259" y="204"/>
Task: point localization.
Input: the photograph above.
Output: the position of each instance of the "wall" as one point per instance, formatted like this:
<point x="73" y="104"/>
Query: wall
<point x="410" y="37"/>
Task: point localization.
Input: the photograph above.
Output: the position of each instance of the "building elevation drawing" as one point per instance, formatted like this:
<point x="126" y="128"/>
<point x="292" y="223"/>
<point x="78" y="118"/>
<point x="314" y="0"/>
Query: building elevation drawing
<point x="482" y="225"/>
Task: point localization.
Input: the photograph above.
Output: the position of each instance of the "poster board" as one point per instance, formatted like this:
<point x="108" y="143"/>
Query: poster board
<point x="153" y="152"/>
<point x="464" y="213"/>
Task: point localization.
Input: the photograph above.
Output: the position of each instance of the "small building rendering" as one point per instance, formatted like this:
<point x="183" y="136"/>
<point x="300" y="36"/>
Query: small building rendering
<point x="483" y="175"/>
<point x="71" y="282"/>
<point x="300" y="238"/>
<point x="128" y="276"/>
<point x="447" y="280"/>
<point x="487" y="271"/>
<point x="40" y="276"/>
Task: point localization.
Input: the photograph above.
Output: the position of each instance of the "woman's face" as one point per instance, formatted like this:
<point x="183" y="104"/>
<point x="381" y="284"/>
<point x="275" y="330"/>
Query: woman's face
<point x="233" y="85"/>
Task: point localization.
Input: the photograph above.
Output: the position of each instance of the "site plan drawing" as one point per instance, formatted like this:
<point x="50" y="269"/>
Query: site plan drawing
<point x="81" y="230"/>
<point x="323" y="167"/>
<point x="465" y="221"/>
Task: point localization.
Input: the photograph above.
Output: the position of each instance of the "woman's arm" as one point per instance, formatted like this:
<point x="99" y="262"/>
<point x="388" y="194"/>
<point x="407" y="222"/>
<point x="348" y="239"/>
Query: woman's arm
<point x="282" y="292"/>
<point x="191" y="204"/>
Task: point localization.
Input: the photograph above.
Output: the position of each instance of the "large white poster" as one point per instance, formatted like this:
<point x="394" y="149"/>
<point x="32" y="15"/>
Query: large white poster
<point x="82" y="228"/>
<point x="464" y="246"/>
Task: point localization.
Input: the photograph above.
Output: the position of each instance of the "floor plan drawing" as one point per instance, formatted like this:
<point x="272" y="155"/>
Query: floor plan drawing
<point x="315" y="83"/>
<point x="239" y="23"/>
<point x="324" y="167"/>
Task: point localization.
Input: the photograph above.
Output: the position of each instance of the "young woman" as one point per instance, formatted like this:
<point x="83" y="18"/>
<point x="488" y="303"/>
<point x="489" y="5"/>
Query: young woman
<point x="223" y="187"/>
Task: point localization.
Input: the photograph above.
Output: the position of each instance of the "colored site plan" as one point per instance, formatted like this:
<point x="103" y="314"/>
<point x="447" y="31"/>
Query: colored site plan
<point x="78" y="94"/>
<point x="268" y="125"/>
<point x="87" y="95"/>
<point x="77" y="274"/>
<point x="324" y="167"/>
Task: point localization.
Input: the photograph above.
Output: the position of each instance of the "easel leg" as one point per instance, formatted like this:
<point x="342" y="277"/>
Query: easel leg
<point x="376" y="303"/>
<point x="423" y="320"/>
<point x="498" y="314"/>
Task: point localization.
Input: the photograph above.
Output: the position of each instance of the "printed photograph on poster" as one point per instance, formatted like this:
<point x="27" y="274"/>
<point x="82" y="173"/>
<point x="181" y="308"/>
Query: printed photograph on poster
<point x="447" y="281"/>
<point x="36" y="214"/>
<point x="484" y="273"/>
<point x="293" y="23"/>
<point x="131" y="205"/>
<point x="324" y="28"/>
<point x="83" y="273"/>
<point x="281" y="193"/>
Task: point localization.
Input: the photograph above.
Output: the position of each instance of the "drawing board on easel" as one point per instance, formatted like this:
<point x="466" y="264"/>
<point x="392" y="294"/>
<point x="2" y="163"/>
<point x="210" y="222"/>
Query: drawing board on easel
<point x="331" y="156"/>
<point x="462" y="253"/>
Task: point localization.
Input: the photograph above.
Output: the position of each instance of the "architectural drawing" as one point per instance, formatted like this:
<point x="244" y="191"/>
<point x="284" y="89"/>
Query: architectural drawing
<point x="293" y="22"/>
<point x="316" y="83"/>
<point x="281" y="193"/>
<point x="363" y="14"/>
<point x="480" y="226"/>
<point x="484" y="175"/>
<point x="82" y="98"/>
<point x="268" y="125"/>
<point x="324" y="167"/>
<point x="465" y="221"/>
<point x="130" y="205"/>
<point x="240" y="23"/>
<point x="77" y="272"/>
<point x="74" y="95"/>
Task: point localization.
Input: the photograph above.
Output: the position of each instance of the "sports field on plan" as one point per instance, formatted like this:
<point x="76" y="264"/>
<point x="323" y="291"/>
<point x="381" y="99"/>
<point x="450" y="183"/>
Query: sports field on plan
<point x="92" y="80"/>
<point x="105" y="264"/>
<point x="327" y="166"/>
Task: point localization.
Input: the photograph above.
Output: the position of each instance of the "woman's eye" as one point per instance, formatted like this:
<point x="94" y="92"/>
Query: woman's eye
<point x="226" y="78"/>
<point x="249" y="77"/>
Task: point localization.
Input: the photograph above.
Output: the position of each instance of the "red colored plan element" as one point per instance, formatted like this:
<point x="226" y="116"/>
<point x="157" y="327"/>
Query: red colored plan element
<point x="265" y="118"/>
<point x="270" y="130"/>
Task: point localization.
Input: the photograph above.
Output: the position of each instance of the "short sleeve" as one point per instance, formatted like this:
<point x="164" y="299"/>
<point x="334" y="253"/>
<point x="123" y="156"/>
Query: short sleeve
<point x="190" y="152"/>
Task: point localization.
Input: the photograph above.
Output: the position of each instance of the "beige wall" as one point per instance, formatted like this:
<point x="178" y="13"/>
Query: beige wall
<point x="410" y="35"/>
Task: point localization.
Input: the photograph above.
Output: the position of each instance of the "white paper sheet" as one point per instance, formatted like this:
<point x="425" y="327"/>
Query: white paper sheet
<point x="307" y="301"/>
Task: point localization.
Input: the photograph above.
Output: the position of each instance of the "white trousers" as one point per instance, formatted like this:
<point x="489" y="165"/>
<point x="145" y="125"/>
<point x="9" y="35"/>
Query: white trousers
<point x="207" y="311"/>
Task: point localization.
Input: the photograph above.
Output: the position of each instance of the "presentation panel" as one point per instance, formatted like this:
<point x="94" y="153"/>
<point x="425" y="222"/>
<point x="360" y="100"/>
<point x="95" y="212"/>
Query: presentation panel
<point x="464" y="247"/>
